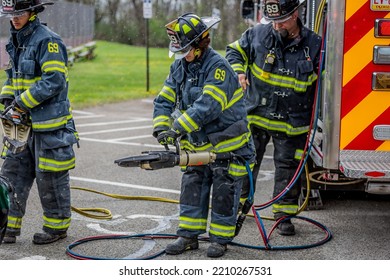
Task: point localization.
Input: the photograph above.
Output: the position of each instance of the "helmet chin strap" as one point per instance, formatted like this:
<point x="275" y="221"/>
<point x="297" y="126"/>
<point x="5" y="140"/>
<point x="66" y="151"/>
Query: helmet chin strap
<point x="197" y="53"/>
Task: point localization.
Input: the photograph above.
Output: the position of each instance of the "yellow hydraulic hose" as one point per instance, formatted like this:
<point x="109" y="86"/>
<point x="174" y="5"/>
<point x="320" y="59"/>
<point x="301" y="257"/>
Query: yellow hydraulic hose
<point x="107" y="213"/>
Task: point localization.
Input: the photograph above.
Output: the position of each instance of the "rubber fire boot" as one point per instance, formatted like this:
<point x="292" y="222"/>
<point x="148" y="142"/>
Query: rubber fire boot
<point x="10" y="236"/>
<point x="216" y="250"/>
<point x="46" y="238"/>
<point x="286" y="228"/>
<point x="182" y="244"/>
<point x="9" y="239"/>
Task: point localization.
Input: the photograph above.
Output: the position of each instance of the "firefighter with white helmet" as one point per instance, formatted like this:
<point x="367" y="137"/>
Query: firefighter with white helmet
<point x="277" y="65"/>
<point x="201" y="103"/>
<point x="37" y="87"/>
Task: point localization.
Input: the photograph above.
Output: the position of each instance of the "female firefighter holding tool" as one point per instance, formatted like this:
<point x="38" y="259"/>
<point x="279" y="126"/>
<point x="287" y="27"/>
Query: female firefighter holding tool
<point x="37" y="87"/>
<point x="201" y="103"/>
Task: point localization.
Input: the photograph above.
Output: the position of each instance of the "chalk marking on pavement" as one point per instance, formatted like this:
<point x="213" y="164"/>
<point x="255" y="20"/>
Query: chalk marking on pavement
<point x="131" y="186"/>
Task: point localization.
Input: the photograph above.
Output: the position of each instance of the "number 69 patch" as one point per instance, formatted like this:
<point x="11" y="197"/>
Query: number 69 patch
<point x="53" y="48"/>
<point x="272" y="8"/>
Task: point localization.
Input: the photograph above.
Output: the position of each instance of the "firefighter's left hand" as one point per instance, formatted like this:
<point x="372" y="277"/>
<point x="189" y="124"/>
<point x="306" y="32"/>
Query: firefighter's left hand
<point x="168" y="137"/>
<point x="17" y="108"/>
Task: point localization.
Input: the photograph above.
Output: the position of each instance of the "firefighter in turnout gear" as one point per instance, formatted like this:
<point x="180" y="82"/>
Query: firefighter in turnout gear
<point x="201" y="104"/>
<point x="277" y="65"/>
<point x="6" y="192"/>
<point x="37" y="85"/>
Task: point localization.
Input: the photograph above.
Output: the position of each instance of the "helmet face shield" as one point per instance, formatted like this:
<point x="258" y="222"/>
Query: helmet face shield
<point x="15" y="15"/>
<point x="180" y="54"/>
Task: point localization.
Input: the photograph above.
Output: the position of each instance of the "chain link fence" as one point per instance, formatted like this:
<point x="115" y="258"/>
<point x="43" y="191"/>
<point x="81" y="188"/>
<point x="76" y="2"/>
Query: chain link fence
<point x="74" y="22"/>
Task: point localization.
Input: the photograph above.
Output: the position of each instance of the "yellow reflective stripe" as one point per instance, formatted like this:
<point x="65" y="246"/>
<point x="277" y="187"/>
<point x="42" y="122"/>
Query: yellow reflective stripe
<point x="282" y="81"/>
<point x="298" y="154"/>
<point x="192" y="223"/>
<point x="56" y="165"/>
<point x="187" y="123"/>
<point x="14" y="222"/>
<point x="277" y="125"/>
<point x="28" y="100"/>
<point x="7" y="90"/>
<point x="4" y="152"/>
<point x="290" y="209"/>
<point x="186" y="145"/>
<point x="238" y="94"/>
<point x="217" y="94"/>
<point x="221" y="230"/>
<point x="236" y="45"/>
<point x="58" y="224"/>
<point x="238" y="67"/>
<point x="23" y="84"/>
<point x="54" y="65"/>
<point x="168" y="93"/>
<point x="233" y="143"/>
<point x="238" y="170"/>
<point x="162" y="121"/>
<point x="53" y="123"/>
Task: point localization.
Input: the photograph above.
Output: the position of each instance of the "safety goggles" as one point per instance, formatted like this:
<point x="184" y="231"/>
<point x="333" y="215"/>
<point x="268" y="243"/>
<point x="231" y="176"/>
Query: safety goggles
<point x="15" y="15"/>
<point x="282" y="20"/>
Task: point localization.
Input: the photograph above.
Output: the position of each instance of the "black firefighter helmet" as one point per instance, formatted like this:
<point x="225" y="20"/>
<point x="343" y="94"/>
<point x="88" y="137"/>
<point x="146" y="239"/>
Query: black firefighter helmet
<point x="5" y="192"/>
<point x="279" y="9"/>
<point x="12" y="7"/>
<point x="186" y="31"/>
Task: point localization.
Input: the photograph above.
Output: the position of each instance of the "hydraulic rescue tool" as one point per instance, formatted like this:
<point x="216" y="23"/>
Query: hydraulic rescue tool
<point x="152" y="160"/>
<point x="16" y="128"/>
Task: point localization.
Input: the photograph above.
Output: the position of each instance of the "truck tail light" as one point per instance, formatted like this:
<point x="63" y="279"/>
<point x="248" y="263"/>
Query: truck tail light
<point x="382" y="28"/>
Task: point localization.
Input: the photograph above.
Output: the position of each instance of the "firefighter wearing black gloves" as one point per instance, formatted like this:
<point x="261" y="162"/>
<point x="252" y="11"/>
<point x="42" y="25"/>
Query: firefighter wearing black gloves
<point x="202" y="103"/>
<point x="37" y="85"/>
<point x="168" y="137"/>
<point x="277" y="65"/>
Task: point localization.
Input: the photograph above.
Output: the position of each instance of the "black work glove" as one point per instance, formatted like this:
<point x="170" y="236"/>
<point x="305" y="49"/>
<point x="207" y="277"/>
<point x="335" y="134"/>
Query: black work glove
<point x="168" y="137"/>
<point x="7" y="102"/>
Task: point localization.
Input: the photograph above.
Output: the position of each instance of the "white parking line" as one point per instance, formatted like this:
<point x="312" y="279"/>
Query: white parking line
<point x="82" y="112"/>
<point x="131" y="138"/>
<point x="115" y="130"/>
<point x="115" y="122"/>
<point x="120" y="143"/>
<point x="124" y="185"/>
<point x="87" y="117"/>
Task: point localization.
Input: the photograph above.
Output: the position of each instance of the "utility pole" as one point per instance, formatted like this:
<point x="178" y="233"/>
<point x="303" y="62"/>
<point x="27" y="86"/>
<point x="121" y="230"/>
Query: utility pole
<point x="147" y="15"/>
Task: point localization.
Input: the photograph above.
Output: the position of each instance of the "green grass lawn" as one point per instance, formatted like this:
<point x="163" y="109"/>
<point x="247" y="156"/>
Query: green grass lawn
<point x="117" y="73"/>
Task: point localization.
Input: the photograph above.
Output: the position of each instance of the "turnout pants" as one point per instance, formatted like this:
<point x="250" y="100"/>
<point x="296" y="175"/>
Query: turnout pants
<point x="198" y="182"/>
<point x="53" y="187"/>
<point x="287" y="154"/>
